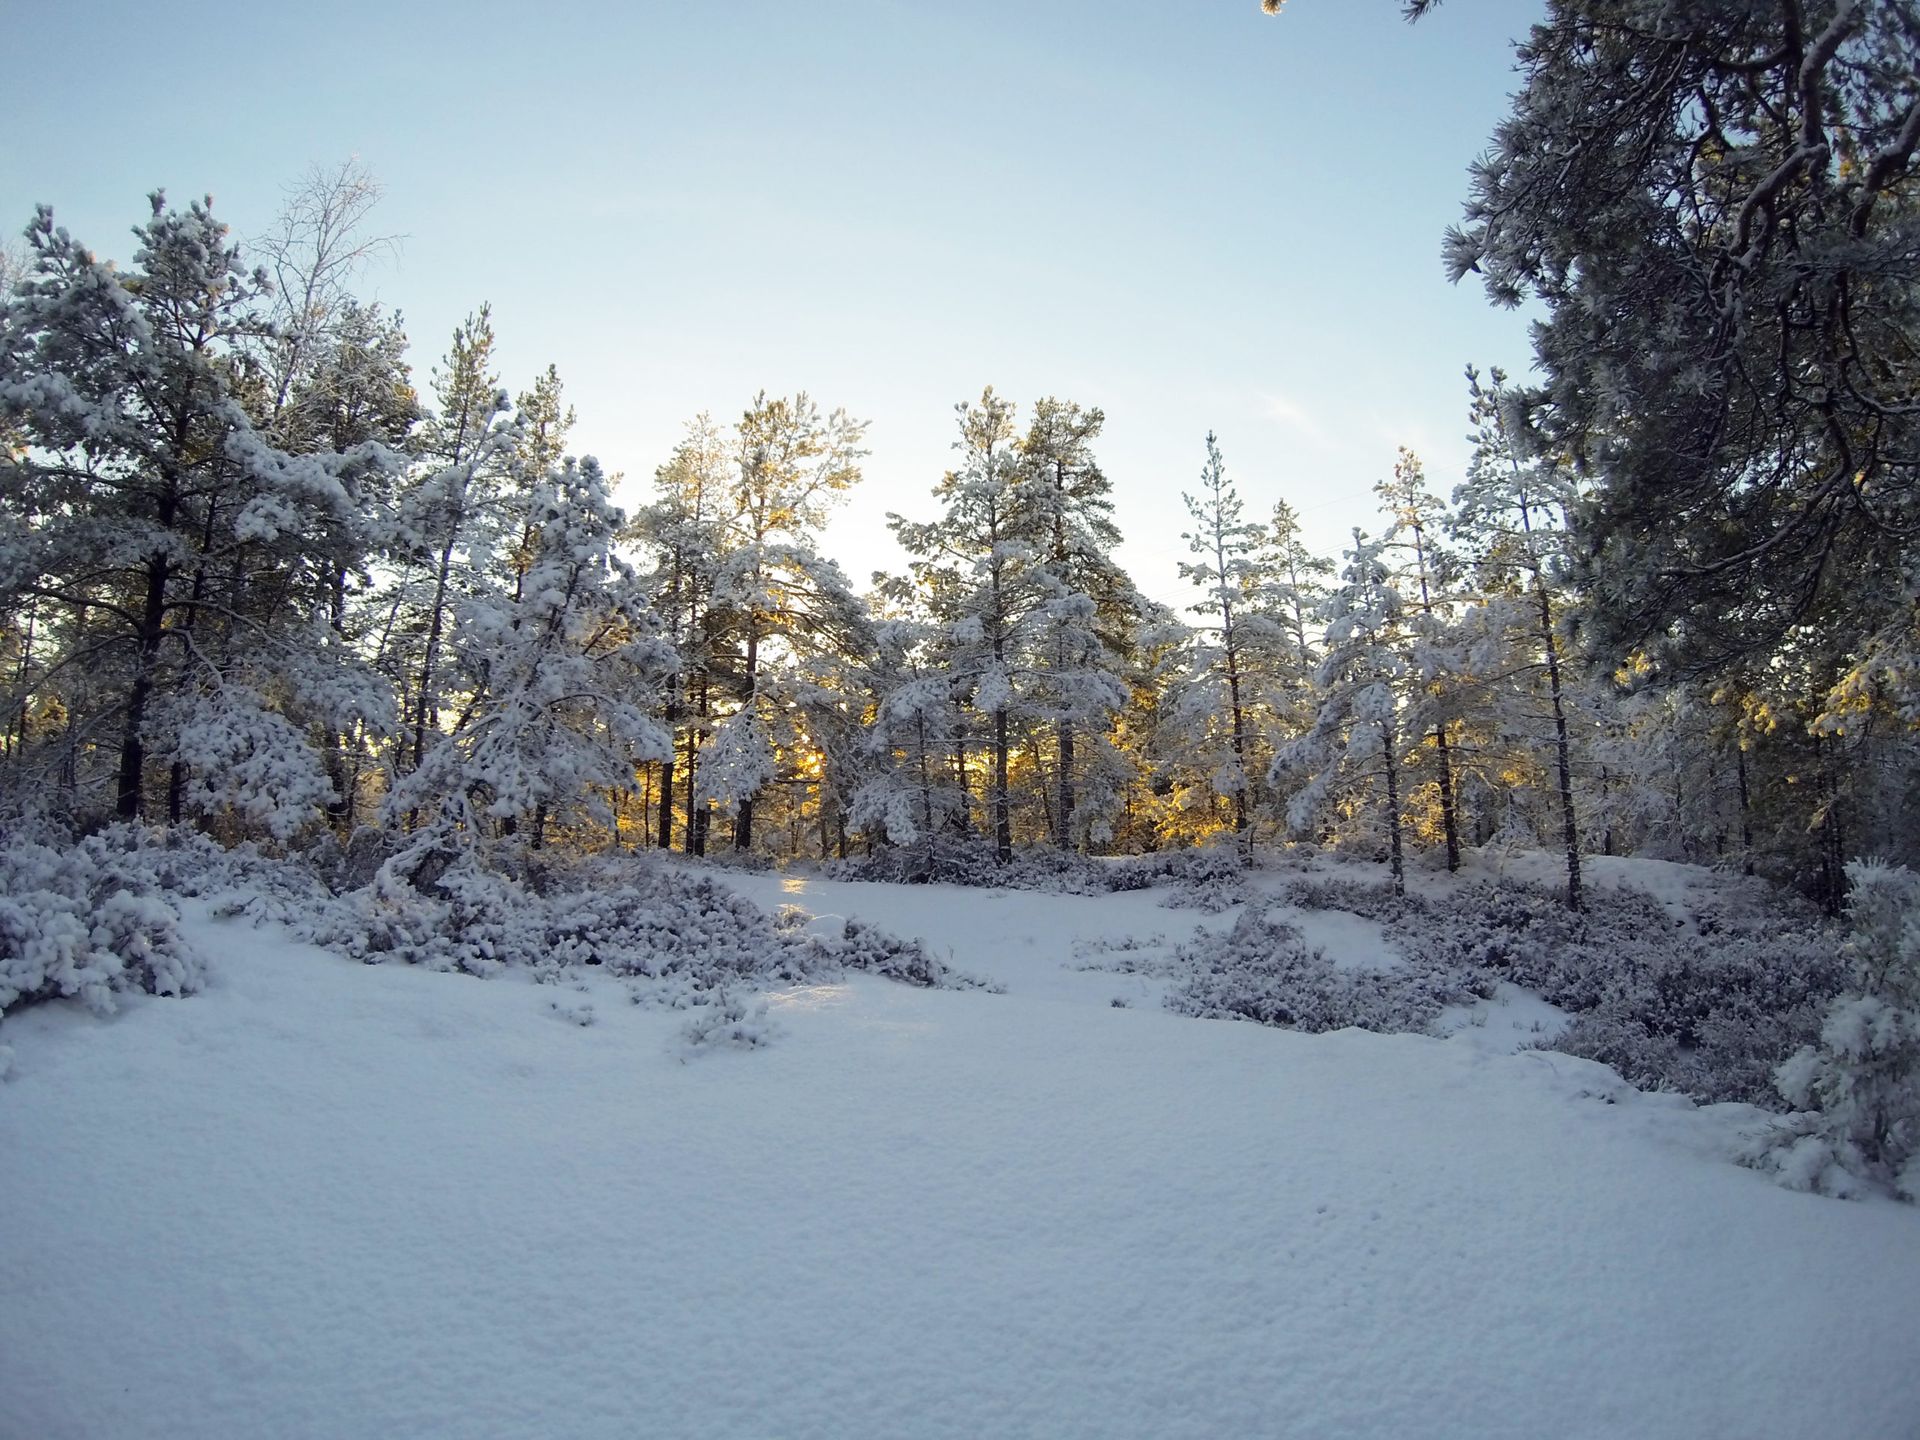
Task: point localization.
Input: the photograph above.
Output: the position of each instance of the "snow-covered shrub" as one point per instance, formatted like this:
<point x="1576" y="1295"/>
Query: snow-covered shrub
<point x="1210" y="878"/>
<point x="449" y="908"/>
<point x="869" y="948"/>
<point x="1130" y="955"/>
<point x="573" y="1008"/>
<point x="1857" y="1091"/>
<point x="874" y="951"/>
<point x="1262" y="969"/>
<point x="677" y="936"/>
<point x="1205" y="872"/>
<point x="971" y="862"/>
<point x="947" y="860"/>
<point x="89" y="921"/>
<point x="1707" y="1015"/>
<point x="729" y="1020"/>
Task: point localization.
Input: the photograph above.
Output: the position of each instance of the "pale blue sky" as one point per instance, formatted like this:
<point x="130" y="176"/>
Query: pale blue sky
<point x="1182" y="211"/>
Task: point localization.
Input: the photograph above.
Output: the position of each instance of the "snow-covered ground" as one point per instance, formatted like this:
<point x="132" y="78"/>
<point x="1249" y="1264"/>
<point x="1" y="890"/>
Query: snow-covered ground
<point x="327" y="1200"/>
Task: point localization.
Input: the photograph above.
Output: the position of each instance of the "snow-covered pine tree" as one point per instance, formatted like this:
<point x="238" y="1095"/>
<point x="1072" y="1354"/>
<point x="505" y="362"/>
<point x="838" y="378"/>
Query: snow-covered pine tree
<point x="1080" y="649"/>
<point x="909" y="796"/>
<point x="932" y="599"/>
<point x="178" y="562"/>
<point x="354" y="390"/>
<point x="984" y="556"/>
<point x="1358" y="737"/>
<point x="1714" y="206"/>
<point x="569" y="672"/>
<point x="780" y="597"/>
<point x="1858" y="1090"/>
<point x="1511" y="512"/>
<point x="1417" y="518"/>
<point x="545" y="420"/>
<point x="1220" y="706"/>
<point x="451" y="527"/>
<point x="683" y="533"/>
<point x="1295" y="589"/>
<point x="1146" y="738"/>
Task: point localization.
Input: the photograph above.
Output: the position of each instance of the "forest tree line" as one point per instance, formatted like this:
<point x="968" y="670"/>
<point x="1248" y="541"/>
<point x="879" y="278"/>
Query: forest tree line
<point x="255" y="578"/>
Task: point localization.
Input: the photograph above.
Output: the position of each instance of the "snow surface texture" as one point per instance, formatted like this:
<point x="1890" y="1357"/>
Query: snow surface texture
<point x="329" y="1200"/>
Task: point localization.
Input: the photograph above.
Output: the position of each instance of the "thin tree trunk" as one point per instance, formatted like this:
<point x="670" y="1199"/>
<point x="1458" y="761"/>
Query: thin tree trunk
<point x="1002" y="806"/>
<point x="743" y="815"/>
<point x="340" y="808"/>
<point x="1746" y="809"/>
<point x="698" y="816"/>
<point x="965" y="818"/>
<point x="1570" y="828"/>
<point x="1393" y="809"/>
<point x="423" y="704"/>
<point x="1066" y="801"/>
<point x="18" y="743"/>
<point x="1242" y="821"/>
<point x="1448" y="818"/>
<point x="663" y="835"/>
<point x="926" y="797"/>
<point x="133" y="753"/>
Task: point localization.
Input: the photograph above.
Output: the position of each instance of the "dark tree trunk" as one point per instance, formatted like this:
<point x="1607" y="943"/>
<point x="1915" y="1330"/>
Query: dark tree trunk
<point x="133" y="752"/>
<point x="663" y="835"/>
<point x="1449" y="816"/>
<point x="964" y="819"/>
<point x="1066" y="801"/>
<point x="1002" y="806"/>
<point x="1746" y="809"/>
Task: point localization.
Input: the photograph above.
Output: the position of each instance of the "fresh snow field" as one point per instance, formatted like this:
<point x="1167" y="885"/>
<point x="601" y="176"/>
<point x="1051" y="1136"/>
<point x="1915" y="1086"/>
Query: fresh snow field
<point x="330" y="1200"/>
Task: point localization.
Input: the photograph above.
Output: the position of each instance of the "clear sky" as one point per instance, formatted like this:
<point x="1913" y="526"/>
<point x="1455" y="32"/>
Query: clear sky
<point x="1182" y="211"/>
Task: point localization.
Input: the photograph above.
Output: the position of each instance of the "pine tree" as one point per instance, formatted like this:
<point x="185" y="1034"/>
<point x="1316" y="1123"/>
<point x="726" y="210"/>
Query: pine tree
<point x="1077" y="656"/>
<point x="1714" y="206"/>
<point x="986" y="551"/>
<point x="1859" y="1088"/>
<point x="545" y="420"/>
<point x="791" y="463"/>
<point x="1416" y="517"/>
<point x="909" y="796"/>
<point x="683" y="531"/>
<point x="1514" y="515"/>
<point x="1232" y="573"/>
<point x="1358" y="735"/>
<point x="177" y="559"/>
<point x="452" y="524"/>
<point x="569" y="671"/>
<point x="1295" y="589"/>
<point x="354" y="393"/>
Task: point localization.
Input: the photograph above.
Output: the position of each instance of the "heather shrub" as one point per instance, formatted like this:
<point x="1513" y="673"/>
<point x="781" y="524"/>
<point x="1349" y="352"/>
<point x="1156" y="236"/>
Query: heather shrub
<point x="1707" y="1009"/>
<point x="1262" y="969"/>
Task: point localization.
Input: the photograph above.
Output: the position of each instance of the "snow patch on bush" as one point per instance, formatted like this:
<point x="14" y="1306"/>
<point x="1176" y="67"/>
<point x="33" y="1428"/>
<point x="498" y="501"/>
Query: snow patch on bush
<point x="730" y="1020"/>
<point x="1262" y="969"/>
<point x="91" y="921"/>
<point x="1706" y="1005"/>
<point x="1856" y="1089"/>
